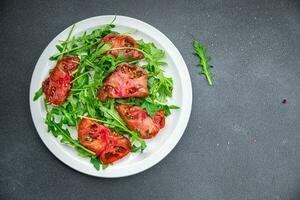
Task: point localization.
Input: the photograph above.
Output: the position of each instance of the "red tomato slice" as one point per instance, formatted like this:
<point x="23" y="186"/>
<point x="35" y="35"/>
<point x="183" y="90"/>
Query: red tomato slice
<point x="93" y="135"/>
<point x="68" y="63"/>
<point x="138" y="119"/>
<point x="58" y="85"/>
<point x="119" y="146"/>
<point x="108" y="145"/>
<point x="160" y="118"/>
<point x="126" y="81"/>
<point x="118" y="41"/>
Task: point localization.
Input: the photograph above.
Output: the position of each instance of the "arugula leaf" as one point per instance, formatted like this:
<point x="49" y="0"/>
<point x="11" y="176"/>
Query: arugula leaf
<point x="153" y="107"/>
<point x="134" y="148"/>
<point x="200" y="52"/>
<point x="59" y="48"/>
<point x="160" y="87"/>
<point x="96" y="162"/>
<point x="77" y="48"/>
<point x="38" y="94"/>
<point x="104" y="48"/>
<point x="58" y="130"/>
<point x="153" y="55"/>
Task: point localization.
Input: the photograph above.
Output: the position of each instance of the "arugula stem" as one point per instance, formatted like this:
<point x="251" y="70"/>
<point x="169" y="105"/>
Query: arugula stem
<point x="91" y="64"/>
<point x="208" y="77"/>
<point x="74" y="49"/>
<point x="132" y="48"/>
<point x="132" y="133"/>
<point x="71" y="140"/>
<point x="80" y="76"/>
<point x="69" y="35"/>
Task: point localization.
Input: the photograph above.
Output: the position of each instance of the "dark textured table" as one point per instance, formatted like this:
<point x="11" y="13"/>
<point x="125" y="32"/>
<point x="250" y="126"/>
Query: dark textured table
<point x="241" y="142"/>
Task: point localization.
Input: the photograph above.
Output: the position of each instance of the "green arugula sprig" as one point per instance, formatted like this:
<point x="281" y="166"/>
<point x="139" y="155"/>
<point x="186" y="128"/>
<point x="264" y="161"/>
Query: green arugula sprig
<point x="200" y="52"/>
<point x="66" y="138"/>
<point x="38" y="94"/>
<point x="160" y="86"/>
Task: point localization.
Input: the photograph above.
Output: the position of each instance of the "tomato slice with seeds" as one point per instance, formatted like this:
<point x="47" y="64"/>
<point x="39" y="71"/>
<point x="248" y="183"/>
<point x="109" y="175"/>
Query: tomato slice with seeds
<point x="68" y="63"/>
<point x="160" y="118"/>
<point x="93" y="135"/>
<point x="119" y="146"/>
<point x="138" y="119"/>
<point x="126" y="81"/>
<point x="108" y="145"/>
<point x="119" y="41"/>
<point x="58" y="85"/>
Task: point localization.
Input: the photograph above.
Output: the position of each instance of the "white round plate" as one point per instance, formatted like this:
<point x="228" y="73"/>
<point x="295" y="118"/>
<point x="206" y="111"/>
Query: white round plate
<point x="158" y="147"/>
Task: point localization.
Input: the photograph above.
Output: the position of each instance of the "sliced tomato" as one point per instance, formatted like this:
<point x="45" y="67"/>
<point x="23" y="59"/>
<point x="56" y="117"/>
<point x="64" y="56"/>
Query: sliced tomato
<point x="118" y="41"/>
<point x="119" y="146"/>
<point x="160" y="118"/>
<point x="138" y="119"/>
<point x="68" y="63"/>
<point x="58" y="85"/>
<point x="93" y="135"/>
<point x="58" y="74"/>
<point x="126" y="81"/>
<point x="108" y="145"/>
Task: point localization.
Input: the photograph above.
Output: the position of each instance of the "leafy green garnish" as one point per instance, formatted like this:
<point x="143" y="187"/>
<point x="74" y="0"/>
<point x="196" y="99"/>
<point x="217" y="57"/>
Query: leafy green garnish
<point x="38" y="94"/>
<point x="153" y="56"/>
<point x="134" y="149"/>
<point x="58" y="130"/>
<point x="97" y="163"/>
<point x="200" y="52"/>
<point x="160" y="86"/>
<point x="153" y="107"/>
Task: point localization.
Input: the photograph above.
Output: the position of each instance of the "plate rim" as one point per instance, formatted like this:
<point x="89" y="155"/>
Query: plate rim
<point x="184" y="76"/>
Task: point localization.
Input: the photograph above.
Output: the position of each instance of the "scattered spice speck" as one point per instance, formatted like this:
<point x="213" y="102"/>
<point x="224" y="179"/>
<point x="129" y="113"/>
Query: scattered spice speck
<point x="284" y="101"/>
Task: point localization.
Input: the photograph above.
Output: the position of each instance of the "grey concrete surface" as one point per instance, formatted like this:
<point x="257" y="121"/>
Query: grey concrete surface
<point x="241" y="141"/>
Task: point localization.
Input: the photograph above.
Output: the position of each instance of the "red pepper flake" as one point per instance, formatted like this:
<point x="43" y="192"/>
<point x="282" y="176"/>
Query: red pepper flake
<point x="284" y="101"/>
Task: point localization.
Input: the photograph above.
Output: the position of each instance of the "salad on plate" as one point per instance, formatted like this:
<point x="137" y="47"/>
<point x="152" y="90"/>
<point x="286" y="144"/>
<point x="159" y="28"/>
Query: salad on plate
<point x="111" y="88"/>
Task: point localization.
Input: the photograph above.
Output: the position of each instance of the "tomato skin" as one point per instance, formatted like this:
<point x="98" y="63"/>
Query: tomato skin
<point x="58" y="85"/>
<point x="58" y="74"/>
<point x="109" y="146"/>
<point x="68" y="63"/>
<point x="119" y="146"/>
<point x="93" y="135"/>
<point x="118" y="41"/>
<point x="160" y="118"/>
<point x="126" y="81"/>
<point x="138" y="119"/>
